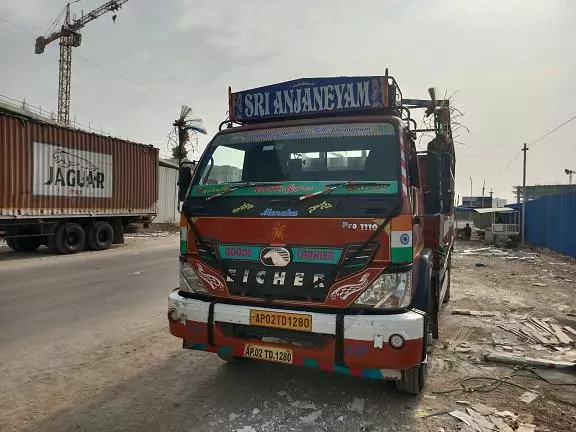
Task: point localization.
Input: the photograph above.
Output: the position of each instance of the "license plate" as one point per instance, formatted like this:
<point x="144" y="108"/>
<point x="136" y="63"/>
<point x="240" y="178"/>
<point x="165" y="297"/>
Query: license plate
<point x="281" y="320"/>
<point x="261" y="352"/>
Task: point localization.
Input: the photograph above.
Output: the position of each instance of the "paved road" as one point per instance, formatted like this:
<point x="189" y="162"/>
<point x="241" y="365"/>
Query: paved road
<point x="84" y="346"/>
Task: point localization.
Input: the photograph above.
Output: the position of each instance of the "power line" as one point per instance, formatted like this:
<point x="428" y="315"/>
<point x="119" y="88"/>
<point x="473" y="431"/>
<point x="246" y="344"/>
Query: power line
<point x="553" y="130"/>
<point x="16" y="26"/>
<point x="532" y="143"/>
<point x="99" y="66"/>
<point x="507" y="166"/>
<point x="93" y="63"/>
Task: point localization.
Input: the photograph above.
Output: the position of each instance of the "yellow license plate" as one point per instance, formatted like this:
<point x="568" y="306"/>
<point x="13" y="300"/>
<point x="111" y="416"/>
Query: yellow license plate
<point x="281" y="320"/>
<point x="261" y="352"/>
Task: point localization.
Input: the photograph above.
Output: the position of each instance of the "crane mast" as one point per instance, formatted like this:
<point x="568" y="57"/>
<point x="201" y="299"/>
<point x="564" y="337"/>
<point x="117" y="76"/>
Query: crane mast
<point x="70" y="37"/>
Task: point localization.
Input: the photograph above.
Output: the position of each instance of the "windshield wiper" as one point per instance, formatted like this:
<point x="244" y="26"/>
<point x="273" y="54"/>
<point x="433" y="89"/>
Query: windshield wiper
<point x="240" y="186"/>
<point x="333" y="187"/>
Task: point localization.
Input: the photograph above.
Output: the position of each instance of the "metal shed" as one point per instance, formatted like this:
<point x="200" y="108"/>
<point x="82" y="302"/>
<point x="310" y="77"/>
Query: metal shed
<point x="167" y="204"/>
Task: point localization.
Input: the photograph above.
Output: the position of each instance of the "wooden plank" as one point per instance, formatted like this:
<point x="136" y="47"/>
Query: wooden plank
<point x="480" y="420"/>
<point x="538" y="335"/>
<point x="543" y="326"/>
<point x="483" y="409"/>
<point x="514" y="331"/>
<point x="562" y="337"/>
<point x="570" y="330"/>
<point x="500" y="424"/>
<point x="526" y="361"/>
<point x="462" y="416"/>
<point x="475" y="313"/>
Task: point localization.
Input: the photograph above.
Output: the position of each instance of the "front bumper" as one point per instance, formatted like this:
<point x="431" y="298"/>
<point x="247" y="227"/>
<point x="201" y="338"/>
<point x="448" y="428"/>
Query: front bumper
<point x="352" y="344"/>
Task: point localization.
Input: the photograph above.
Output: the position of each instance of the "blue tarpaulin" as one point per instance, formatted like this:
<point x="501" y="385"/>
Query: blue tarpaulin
<point x="551" y="222"/>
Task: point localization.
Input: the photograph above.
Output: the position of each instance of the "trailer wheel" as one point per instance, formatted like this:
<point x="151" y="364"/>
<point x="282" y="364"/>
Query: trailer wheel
<point x="27" y="244"/>
<point x="413" y="379"/>
<point x="69" y="238"/>
<point x="100" y="236"/>
<point x="12" y="245"/>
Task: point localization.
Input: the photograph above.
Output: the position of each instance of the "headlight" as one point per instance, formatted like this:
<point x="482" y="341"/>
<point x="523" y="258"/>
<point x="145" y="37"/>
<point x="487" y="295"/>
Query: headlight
<point x="389" y="290"/>
<point x="189" y="280"/>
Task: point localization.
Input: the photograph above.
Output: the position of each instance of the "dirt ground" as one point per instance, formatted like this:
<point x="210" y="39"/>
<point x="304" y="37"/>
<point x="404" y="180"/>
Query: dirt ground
<point x="516" y="284"/>
<point x="116" y="368"/>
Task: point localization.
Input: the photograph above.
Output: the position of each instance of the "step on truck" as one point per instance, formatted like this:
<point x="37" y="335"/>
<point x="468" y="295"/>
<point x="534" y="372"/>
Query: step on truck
<point x="313" y="233"/>
<point x="67" y="188"/>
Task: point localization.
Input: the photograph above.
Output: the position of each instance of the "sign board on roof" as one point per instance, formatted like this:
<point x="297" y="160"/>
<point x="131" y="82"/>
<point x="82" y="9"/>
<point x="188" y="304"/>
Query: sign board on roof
<point x="312" y="96"/>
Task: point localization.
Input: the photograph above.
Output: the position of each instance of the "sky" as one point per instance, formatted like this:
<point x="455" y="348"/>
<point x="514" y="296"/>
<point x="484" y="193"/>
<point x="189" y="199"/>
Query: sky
<point x="509" y="65"/>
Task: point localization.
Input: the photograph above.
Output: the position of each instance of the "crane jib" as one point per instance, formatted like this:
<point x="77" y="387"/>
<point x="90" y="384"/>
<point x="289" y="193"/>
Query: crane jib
<point x="70" y="37"/>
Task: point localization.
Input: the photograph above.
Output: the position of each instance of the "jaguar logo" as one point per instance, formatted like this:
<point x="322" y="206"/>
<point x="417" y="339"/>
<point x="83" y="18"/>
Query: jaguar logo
<point x="275" y="257"/>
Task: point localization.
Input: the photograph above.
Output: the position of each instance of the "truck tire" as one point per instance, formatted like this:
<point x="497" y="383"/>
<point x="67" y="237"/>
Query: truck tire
<point x="10" y="243"/>
<point x="413" y="380"/>
<point x="100" y="236"/>
<point x="26" y="244"/>
<point x="69" y="238"/>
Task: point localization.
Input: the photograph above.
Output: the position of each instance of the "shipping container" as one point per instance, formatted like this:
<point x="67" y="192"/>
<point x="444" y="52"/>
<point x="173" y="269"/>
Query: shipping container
<point x="53" y="176"/>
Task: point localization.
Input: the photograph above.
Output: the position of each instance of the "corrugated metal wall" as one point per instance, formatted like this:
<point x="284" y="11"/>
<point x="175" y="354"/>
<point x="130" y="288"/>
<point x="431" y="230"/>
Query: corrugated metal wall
<point x="52" y="170"/>
<point x="551" y="222"/>
<point x="167" y="196"/>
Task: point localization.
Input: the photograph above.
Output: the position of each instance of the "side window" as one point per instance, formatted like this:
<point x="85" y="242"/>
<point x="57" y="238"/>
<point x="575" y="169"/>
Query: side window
<point x="225" y="166"/>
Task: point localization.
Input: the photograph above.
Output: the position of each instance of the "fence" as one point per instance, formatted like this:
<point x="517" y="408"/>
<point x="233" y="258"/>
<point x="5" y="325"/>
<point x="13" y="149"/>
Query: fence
<point x="551" y="222"/>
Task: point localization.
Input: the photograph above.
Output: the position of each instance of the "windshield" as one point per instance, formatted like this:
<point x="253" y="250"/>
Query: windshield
<point x="303" y="159"/>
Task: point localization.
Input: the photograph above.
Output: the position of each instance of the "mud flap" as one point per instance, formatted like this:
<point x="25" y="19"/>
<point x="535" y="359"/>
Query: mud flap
<point x="424" y="333"/>
<point x="210" y="324"/>
<point x="339" y="345"/>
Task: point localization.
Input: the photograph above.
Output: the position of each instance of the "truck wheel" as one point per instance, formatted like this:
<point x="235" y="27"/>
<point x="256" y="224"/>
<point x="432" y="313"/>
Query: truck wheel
<point x="10" y="243"/>
<point x="413" y="380"/>
<point x="69" y="238"/>
<point x="27" y="244"/>
<point x="100" y="236"/>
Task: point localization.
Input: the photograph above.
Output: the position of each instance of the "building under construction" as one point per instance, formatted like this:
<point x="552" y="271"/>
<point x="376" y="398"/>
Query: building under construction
<point x="537" y="191"/>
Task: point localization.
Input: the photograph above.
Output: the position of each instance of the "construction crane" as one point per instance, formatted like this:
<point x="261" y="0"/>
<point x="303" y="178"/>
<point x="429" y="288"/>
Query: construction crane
<point x="70" y="37"/>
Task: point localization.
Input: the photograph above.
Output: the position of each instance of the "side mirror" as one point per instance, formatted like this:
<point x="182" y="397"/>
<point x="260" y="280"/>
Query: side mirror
<point x="184" y="180"/>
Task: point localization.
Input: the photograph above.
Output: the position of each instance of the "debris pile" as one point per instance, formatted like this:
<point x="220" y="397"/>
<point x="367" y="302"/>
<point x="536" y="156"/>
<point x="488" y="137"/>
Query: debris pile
<point x="523" y="331"/>
<point x="500" y="253"/>
<point x="482" y="418"/>
<point x="542" y="331"/>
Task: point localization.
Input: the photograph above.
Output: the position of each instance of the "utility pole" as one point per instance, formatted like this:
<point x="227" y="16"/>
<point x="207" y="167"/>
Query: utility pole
<point x="525" y="150"/>
<point x="470" y="197"/>
<point x="492" y="197"/>
<point x="483" y="189"/>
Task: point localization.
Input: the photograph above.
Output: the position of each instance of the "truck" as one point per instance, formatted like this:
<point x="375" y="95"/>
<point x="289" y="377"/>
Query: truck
<point x="330" y="245"/>
<point x="70" y="189"/>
